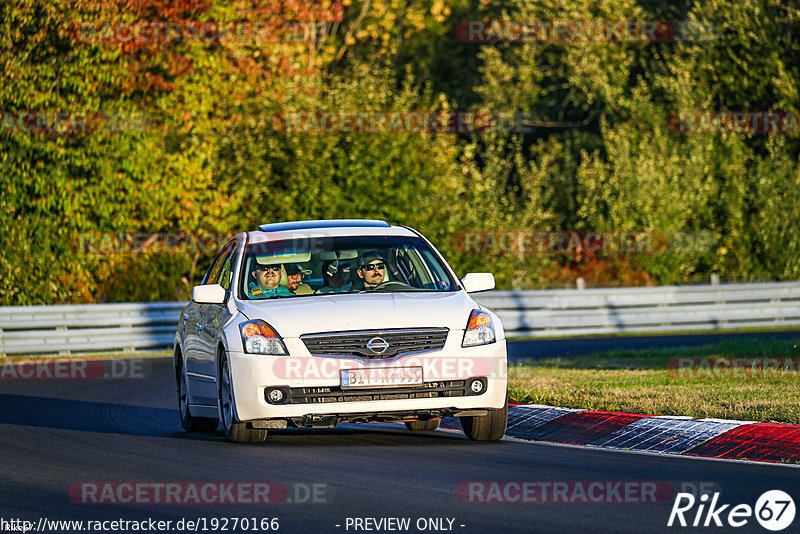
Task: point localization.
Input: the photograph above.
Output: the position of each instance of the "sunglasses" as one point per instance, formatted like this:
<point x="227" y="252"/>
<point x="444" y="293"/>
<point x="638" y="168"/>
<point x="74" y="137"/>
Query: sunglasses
<point x="276" y="268"/>
<point x="373" y="266"/>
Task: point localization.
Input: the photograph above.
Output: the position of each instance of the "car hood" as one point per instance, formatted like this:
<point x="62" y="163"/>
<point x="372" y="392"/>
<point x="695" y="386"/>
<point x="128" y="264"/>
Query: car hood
<point x="293" y="317"/>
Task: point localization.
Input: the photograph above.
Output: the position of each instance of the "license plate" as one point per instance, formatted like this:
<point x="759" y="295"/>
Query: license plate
<point x="389" y="376"/>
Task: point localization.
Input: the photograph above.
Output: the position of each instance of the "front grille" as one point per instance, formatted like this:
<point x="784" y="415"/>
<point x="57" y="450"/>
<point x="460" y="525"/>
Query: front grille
<point x="428" y="390"/>
<point x="400" y="341"/>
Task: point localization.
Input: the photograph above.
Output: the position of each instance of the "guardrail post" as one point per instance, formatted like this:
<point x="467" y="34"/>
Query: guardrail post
<point x="63" y="352"/>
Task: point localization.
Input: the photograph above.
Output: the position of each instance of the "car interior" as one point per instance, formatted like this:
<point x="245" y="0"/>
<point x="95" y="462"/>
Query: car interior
<point x="403" y="265"/>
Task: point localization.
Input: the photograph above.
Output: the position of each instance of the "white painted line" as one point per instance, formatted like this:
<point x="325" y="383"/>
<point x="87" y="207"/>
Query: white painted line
<point x="712" y="420"/>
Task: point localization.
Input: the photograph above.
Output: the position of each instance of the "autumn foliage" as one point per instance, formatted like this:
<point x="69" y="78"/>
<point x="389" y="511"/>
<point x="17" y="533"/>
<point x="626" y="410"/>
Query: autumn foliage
<point x="164" y="118"/>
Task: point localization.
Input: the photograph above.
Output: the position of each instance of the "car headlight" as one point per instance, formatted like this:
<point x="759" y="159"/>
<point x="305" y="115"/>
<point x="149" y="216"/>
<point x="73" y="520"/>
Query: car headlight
<point x="259" y="338"/>
<point x="480" y="330"/>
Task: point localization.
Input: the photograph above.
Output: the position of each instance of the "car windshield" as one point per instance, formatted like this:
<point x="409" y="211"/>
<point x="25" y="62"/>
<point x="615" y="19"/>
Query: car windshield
<point x="336" y="265"/>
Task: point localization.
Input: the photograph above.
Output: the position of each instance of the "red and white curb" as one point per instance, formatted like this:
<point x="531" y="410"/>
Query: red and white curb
<point x="714" y="438"/>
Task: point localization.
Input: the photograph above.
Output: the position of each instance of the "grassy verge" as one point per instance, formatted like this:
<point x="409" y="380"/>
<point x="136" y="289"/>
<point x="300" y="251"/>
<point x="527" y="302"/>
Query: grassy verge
<point x="638" y="381"/>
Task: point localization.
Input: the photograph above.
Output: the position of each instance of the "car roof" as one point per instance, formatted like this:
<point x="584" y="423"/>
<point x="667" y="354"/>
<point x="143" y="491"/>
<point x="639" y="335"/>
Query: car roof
<point x="327" y="228"/>
<point x="324" y="223"/>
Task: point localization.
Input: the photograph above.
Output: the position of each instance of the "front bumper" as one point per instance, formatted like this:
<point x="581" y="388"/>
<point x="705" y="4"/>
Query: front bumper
<point x="314" y="388"/>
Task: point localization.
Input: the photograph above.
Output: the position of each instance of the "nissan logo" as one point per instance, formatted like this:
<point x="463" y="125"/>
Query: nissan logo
<point x="377" y="345"/>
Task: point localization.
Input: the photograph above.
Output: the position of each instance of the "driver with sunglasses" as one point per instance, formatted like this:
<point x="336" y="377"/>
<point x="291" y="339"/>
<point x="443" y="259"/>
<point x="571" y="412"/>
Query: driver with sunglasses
<point x="265" y="282"/>
<point x="371" y="270"/>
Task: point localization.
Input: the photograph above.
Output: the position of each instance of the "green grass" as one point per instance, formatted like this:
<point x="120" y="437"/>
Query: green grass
<point x="637" y="381"/>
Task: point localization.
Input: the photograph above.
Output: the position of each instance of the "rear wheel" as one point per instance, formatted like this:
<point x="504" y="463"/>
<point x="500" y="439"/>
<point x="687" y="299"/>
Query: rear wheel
<point x="188" y="422"/>
<point x="418" y="426"/>
<point x="234" y="431"/>
<point x="489" y="427"/>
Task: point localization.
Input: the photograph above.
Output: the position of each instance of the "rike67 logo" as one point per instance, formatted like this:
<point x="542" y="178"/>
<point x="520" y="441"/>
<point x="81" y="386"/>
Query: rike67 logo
<point x="774" y="510"/>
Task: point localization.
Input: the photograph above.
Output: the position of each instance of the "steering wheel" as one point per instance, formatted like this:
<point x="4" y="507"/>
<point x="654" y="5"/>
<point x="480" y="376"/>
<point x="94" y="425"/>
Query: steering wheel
<point x="391" y="283"/>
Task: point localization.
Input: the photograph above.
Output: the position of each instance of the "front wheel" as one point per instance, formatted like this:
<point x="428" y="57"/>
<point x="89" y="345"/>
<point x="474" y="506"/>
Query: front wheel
<point x="189" y="422"/>
<point x="234" y="431"/>
<point x="489" y="427"/>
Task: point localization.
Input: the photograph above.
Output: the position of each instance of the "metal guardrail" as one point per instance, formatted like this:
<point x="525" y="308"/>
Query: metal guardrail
<point x="569" y="312"/>
<point x="147" y="326"/>
<point x="88" y="327"/>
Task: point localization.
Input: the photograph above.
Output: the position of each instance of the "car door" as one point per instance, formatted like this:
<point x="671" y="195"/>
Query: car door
<point x="189" y="320"/>
<point x="200" y="372"/>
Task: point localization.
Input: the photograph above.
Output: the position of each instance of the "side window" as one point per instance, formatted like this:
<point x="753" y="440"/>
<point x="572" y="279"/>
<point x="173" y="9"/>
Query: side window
<point x="226" y="270"/>
<point x="212" y="275"/>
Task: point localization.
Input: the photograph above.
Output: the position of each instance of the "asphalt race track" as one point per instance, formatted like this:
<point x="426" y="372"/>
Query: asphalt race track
<point x="59" y="437"/>
<point x="565" y="347"/>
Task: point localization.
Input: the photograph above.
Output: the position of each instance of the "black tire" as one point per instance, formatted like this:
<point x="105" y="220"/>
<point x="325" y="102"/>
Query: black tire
<point x="489" y="427"/>
<point x="189" y="422"/>
<point x="419" y="426"/>
<point x="234" y="430"/>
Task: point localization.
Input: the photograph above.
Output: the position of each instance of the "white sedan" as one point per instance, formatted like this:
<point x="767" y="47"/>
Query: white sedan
<point x="315" y="323"/>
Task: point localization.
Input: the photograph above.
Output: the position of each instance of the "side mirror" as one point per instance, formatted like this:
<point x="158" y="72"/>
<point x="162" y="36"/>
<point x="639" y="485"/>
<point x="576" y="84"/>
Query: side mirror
<point x="209" y="294"/>
<point x="474" y="282"/>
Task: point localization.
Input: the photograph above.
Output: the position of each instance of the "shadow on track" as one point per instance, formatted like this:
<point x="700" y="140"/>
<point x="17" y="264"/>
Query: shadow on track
<point x="88" y="416"/>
